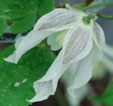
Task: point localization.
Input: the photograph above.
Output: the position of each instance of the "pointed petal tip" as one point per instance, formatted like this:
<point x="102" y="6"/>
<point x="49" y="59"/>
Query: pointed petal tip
<point x="35" y="100"/>
<point x="11" y="59"/>
<point x="43" y="90"/>
<point x="23" y="45"/>
<point x="47" y="85"/>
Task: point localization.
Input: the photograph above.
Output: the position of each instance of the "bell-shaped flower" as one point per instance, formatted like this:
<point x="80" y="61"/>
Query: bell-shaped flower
<point x="82" y="45"/>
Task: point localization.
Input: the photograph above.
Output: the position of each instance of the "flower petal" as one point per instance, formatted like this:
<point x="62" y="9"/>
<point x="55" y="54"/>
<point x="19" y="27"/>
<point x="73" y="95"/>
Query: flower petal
<point x="55" y="41"/>
<point x="77" y="43"/>
<point x="81" y="93"/>
<point x="44" y="89"/>
<point x="46" y="86"/>
<point x="58" y="19"/>
<point x="83" y="72"/>
<point x="99" y="36"/>
<point x="26" y="43"/>
<point x="51" y="41"/>
<point x="60" y="38"/>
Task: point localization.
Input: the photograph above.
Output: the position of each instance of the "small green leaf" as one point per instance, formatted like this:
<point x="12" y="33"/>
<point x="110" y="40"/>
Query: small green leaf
<point x="22" y="25"/>
<point x="45" y="6"/>
<point x="22" y="13"/>
<point x="16" y="80"/>
<point x="3" y="25"/>
<point x="106" y="98"/>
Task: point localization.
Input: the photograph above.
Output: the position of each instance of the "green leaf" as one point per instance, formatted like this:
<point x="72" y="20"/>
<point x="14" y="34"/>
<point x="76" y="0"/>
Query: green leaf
<point x="3" y="25"/>
<point x="16" y="80"/>
<point x="44" y="6"/>
<point x="22" y="13"/>
<point x="106" y="98"/>
<point x="17" y="25"/>
<point x="3" y="7"/>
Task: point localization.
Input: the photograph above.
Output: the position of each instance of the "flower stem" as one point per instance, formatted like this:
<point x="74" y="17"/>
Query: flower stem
<point x="105" y="17"/>
<point x="96" y="6"/>
<point x="87" y="19"/>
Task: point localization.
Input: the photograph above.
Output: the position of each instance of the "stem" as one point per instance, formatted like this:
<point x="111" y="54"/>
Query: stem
<point x="60" y="98"/>
<point x="96" y="6"/>
<point x="87" y="19"/>
<point x="91" y="16"/>
<point x="105" y="17"/>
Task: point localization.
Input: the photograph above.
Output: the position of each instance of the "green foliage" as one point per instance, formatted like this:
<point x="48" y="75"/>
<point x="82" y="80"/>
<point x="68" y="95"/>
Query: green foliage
<point x="44" y="6"/>
<point x="106" y="98"/>
<point x="30" y="68"/>
<point x="27" y="22"/>
<point x="22" y="13"/>
<point x="3" y="25"/>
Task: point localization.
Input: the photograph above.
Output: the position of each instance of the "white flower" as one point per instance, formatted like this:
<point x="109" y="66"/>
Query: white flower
<point x="82" y="47"/>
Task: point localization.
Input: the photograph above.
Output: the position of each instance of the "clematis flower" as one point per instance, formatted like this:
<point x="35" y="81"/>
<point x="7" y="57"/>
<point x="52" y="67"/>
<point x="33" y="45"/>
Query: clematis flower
<point x="81" y="47"/>
<point x="100" y="70"/>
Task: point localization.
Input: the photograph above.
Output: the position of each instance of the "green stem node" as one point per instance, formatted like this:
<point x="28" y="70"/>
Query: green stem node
<point x="87" y="19"/>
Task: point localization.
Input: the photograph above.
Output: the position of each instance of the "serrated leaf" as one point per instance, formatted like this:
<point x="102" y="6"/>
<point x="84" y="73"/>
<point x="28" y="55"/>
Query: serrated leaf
<point x="3" y="25"/>
<point x="106" y="98"/>
<point x="17" y="80"/>
<point x="22" y="13"/>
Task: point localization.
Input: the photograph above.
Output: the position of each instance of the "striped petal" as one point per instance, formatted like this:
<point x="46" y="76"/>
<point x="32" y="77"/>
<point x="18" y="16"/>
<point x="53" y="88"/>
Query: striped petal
<point x="99" y="36"/>
<point x="46" y="86"/>
<point x="58" y="19"/>
<point x="77" y="43"/>
<point x="26" y="43"/>
<point x="83" y="70"/>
